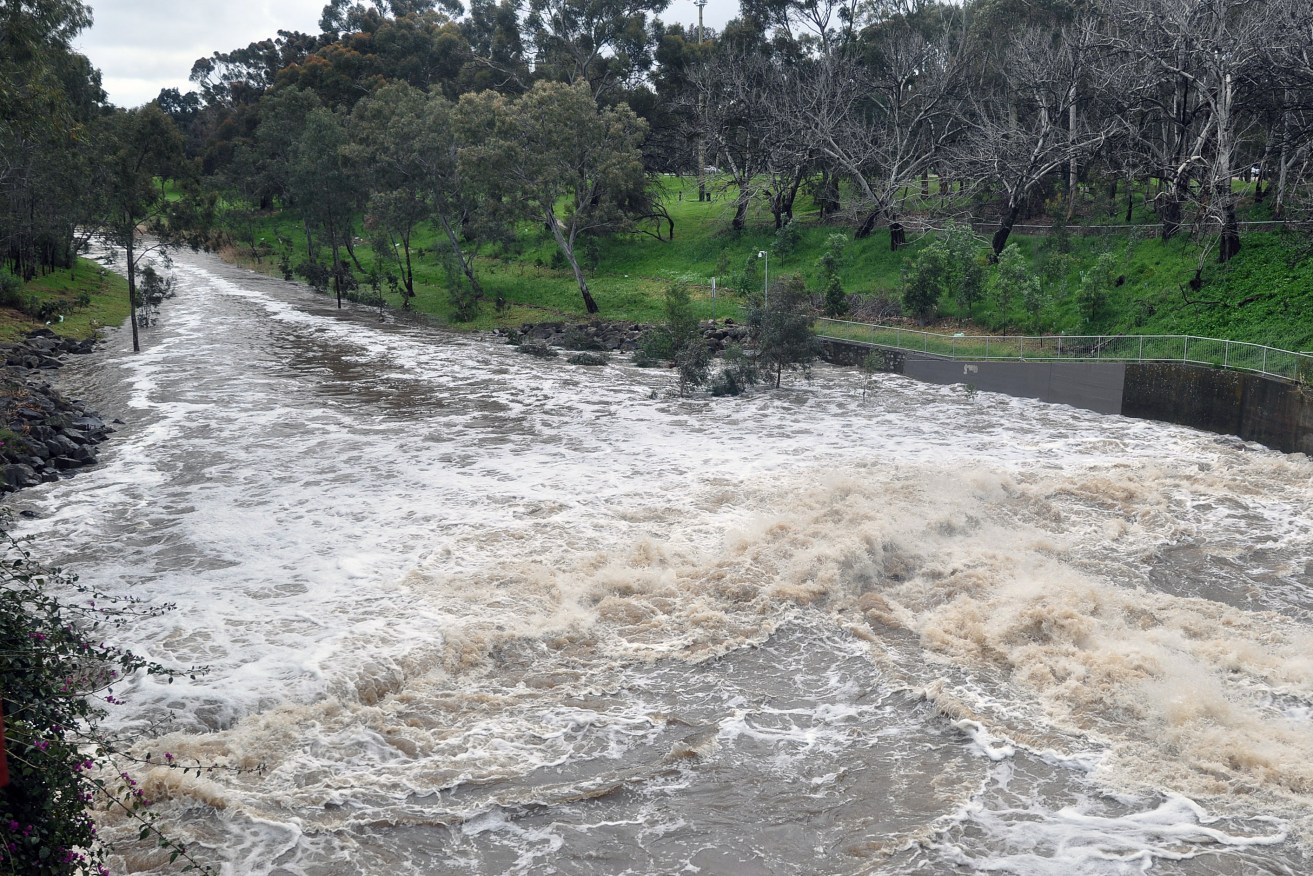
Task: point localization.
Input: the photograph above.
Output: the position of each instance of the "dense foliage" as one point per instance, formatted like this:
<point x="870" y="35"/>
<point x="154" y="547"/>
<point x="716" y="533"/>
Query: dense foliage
<point x="413" y="133"/>
<point x="58" y="675"/>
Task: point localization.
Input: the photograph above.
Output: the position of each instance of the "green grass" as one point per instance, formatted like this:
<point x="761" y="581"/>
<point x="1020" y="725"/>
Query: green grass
<point x="1264" y="296"/>
<point x="88" y="297"/>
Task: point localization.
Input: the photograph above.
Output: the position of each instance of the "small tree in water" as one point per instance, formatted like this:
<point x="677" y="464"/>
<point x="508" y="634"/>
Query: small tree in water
<point x="782" y="326"/>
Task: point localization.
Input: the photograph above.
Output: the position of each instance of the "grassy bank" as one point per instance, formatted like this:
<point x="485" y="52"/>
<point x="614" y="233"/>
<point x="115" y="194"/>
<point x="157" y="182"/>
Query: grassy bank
<point x="1265" y="295"/>
<point x="74" y="303"/>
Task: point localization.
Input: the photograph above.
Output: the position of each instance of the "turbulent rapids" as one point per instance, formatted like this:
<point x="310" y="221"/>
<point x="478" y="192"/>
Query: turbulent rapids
<point x="478" y="613"/>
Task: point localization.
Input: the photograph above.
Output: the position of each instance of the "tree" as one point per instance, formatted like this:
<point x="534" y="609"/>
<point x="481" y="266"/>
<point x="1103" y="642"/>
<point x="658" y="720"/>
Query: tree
<point x="386" y="132"/>
<point x="924" y="279"/>
<point x="831" y="265"/>
<point x="1094" y="285"/>
<point x="1011" y="280"/>
<point x="1196" y="62"/>
<point x="881" y="111"/>
<point x="601" y="44"/>
<point x="49" y="95"/>
<point x="782" y="327"/>
<point x="143" y="156"/>
<point x="327" y="192"/>
<point x="1026" y="128"/>
<point x="564" y="162"/>
<point x="406" y="144"/>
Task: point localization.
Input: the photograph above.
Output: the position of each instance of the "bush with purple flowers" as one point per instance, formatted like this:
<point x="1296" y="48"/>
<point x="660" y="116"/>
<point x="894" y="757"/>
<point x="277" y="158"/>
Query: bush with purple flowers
<point x="56" y="676"/>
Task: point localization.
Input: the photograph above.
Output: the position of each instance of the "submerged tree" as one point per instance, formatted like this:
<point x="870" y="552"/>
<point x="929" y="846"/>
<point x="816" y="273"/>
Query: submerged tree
<point x="151" y="203"/>
<point x="782" y="327"/>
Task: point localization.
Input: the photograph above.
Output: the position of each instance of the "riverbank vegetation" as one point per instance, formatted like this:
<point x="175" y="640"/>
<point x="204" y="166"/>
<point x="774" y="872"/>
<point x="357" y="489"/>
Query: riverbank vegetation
<point x="1002" y="165"/>
<point x="74" y="302"/>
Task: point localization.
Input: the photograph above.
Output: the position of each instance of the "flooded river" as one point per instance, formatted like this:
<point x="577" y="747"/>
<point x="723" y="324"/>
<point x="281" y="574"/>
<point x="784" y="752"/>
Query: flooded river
<point x="474" y="612"/>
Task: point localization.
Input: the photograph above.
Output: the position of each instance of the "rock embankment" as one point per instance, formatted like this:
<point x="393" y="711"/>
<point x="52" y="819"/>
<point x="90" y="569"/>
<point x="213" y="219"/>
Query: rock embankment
<point x="612" y="337"/>
<point x="43" y="436"/>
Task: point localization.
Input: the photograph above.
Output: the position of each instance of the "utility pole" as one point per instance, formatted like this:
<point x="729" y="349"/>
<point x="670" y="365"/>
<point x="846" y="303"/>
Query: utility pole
<point x="701" y="158"/>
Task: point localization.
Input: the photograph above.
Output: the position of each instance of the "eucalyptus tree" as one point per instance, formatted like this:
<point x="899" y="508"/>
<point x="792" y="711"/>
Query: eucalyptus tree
<point x="49" y="94"/>
<point x="405" y="142"/>
<point x="327" y="191"/>
<point x="1290" y="95"/>
<point x="1198" y="63"/>
<point x="782" y="329"/>
<point x="386" y="136"/>
<point x="554" y="156"/>
<point x="734" y="89"/>
<point x="606" y="44"/>
<point x="881" y="112"/>
<point x="143" y="157"/>
<point x="1020" y="128"/>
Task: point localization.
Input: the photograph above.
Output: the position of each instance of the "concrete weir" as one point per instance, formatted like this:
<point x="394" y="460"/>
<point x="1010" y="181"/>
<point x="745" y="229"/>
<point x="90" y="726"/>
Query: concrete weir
<point x="1270" y="411"/>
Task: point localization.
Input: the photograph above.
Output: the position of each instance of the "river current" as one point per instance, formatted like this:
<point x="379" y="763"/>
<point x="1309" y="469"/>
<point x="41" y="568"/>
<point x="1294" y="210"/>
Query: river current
<point x="473" y="612"/>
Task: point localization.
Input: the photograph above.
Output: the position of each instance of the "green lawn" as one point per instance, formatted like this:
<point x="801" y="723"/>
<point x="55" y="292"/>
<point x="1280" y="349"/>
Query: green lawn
<point x="81" y="301"/>
<point x="1265" y="295"/>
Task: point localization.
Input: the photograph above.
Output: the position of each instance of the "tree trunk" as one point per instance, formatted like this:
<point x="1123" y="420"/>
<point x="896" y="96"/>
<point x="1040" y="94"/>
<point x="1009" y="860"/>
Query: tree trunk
<point x="1229" y="246"/>
<point x="741" y="209"/>
<point x="410" y="271"/>
<point x="132" y="285"/>
<point x="1169" y="213"/>
<point x="1000" y="239"/>
<point x="828" y="201"/>
<point x="337" y="272"/>
<point x="867" y="225"/>
<point x="466" y="264"/>
<point x="567" y="249"/>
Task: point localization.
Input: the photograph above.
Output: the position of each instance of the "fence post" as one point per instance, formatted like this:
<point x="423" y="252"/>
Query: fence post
<point x="1185" y="348"/>
<point x="1226" y="354"/>
<point x="1141" y="359"/>
<point x="1265" y="359"/>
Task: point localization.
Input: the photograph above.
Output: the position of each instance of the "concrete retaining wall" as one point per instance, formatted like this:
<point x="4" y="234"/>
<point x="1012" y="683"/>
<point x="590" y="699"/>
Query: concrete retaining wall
<point x="1253" y="407"/>
<point x="1095" y="386"/>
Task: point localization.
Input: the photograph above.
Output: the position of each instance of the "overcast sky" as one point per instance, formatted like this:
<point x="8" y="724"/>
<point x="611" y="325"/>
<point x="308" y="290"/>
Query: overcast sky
<point x="142" y="46"/>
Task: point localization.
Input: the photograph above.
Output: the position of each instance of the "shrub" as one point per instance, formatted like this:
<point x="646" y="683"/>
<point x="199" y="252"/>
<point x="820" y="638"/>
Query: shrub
<point x="57" y="670"/>
<point x="831" y="265"/>
<point x="11" y="289"/>
<point x="786" y="240"/>
<point x="588" y="358"/>
<point x="1094" y="287"/>
<point x="783" y="330"/>
<point x="736" y="374"/>
<point x="665" y="341"/>
<point x="542" y="351"/>
<point x="1012" y="280"/>
<point x="692" y="364"/>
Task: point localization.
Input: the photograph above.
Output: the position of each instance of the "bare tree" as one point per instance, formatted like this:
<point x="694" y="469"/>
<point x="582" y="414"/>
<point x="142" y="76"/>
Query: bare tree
<point x="1039" y="116"/>
<point x="734" y="89"/>
<point x="1199" y="62"/>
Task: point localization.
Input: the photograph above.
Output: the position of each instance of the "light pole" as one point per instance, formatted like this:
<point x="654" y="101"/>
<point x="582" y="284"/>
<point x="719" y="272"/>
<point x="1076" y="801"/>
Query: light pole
<point x="765" y="278"/>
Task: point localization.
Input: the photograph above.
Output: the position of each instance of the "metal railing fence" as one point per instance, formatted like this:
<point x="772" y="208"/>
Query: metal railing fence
<point x="1188" y="349"/>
